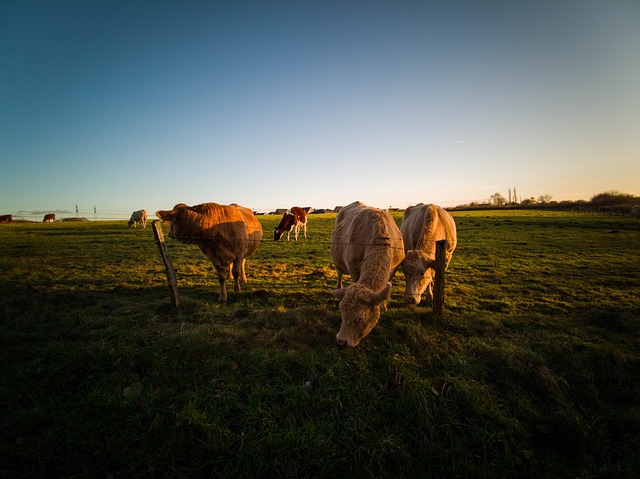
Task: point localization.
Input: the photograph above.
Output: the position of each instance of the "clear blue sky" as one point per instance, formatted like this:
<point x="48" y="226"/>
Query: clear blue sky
<point x="144" y="104"/>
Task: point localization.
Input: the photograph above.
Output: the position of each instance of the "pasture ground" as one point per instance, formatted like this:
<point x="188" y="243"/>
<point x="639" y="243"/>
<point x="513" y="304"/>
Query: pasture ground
<point x="531" y="372"/>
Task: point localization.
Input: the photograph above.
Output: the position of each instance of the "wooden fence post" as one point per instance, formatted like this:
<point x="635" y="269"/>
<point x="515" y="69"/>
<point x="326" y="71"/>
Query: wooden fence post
<point x="438" y="286"/>
<point x="168" y="264"/>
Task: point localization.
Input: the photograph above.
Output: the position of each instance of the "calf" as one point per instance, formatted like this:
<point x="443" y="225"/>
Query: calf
<point x="293" y="219"/>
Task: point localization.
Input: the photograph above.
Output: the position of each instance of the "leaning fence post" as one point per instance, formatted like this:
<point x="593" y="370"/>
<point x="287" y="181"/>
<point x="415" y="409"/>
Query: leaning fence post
<point x="438" y="286"/>
<point x="168" y="264"/>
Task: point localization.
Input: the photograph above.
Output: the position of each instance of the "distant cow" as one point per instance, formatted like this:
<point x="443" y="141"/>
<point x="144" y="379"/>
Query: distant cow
<point x="49" y="217"/>
<point x="366" y="244"/>
<point x="227" y="235"/>
<point x="422" y="226"/>
<point x="139" y="216"/>
<point x="635" y="211"/>
<point x="293" y="219"/>
<point x="6" y="219"/>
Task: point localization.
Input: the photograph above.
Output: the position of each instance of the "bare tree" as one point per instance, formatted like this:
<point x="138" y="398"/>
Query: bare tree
<point x="497" y="199"/>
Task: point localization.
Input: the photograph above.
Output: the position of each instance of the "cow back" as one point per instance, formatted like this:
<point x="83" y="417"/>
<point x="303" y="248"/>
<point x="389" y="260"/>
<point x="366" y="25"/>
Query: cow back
<point x="299" y="214"/>
<point x="364" y="237"/>
<point x="236" y="225"/>
<point x="423" y="225"/>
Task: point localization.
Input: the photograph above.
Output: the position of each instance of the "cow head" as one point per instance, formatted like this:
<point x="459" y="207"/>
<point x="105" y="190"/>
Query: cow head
<point x="131" y="222"/>
<point x="277" y="234"/>
<point x="418" y="273"/>
<point x="174" y="217"/>
<point x="360" y="311"/>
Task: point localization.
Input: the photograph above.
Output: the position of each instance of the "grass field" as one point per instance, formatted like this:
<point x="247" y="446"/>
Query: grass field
<point x="531" y="372"/>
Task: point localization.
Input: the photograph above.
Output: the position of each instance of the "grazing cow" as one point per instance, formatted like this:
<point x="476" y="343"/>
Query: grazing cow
<point x="227" y="235"/>
<point x="6" y="219"/>
<point x="49" y="217"/>
<point x="293" y="219"/>
<point x="366" y="244"/>
<point x="139" y="216"/>
<point x="635" y="211"/>
<point x="422" y="226"/>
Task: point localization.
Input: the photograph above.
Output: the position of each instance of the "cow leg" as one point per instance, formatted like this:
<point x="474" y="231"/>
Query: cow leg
<point x="339" y="283"/>
<point x="393" y="272"/>
<point x="244" y="276"/>
<point x="305" y="230"/>
<point x="223" y="275"/>
<point x="429" y="295"/>
<point x="238" y="274"/>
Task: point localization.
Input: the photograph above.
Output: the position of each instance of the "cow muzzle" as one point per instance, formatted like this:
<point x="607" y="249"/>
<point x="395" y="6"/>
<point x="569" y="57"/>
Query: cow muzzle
<point x="343" y="343"/>
<point x="412" y="298"/>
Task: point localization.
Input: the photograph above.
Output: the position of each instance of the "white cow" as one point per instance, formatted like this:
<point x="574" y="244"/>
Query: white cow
<point x="422" y="226"/>
<point x="366" y="244"/>
<point x="138" y="216"/>
<point x="635" y="211"/>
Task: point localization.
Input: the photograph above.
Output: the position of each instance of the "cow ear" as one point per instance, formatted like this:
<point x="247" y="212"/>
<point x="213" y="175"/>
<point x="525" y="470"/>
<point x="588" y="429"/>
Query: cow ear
<point x="429" y="263"/>
<point x="381" y="296"/>
<point x="339" y="293"/>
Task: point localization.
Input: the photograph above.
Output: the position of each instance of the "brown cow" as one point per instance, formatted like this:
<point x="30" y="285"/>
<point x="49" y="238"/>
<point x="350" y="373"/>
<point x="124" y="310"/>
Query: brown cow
<point x="422" y="226"/>
<point x="227" y="235"/>
<point x="49" y="217"/>
<point x="366" y="244"/>
<point x="6" y="219"/>
<point x="293" y="219"/>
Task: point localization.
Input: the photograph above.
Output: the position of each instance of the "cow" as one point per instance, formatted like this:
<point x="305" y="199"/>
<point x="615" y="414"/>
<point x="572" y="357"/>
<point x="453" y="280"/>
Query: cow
<point x="292" y="219"/>
<point x="49" y="217"/>
<point x="226" y="234"/>
<point x="422" y="226"/>
<point x="367" y="244"/>
<point x="635" y="211"/>
<point x="139" y="216"/>
<point x="6" y="219"/>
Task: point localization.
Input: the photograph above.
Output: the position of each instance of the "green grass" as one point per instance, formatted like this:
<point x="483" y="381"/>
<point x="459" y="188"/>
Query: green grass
<point x="531" y="372"/>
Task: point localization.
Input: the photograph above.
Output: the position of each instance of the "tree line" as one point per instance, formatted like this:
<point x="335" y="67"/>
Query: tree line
<point x="612" y="201"/>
